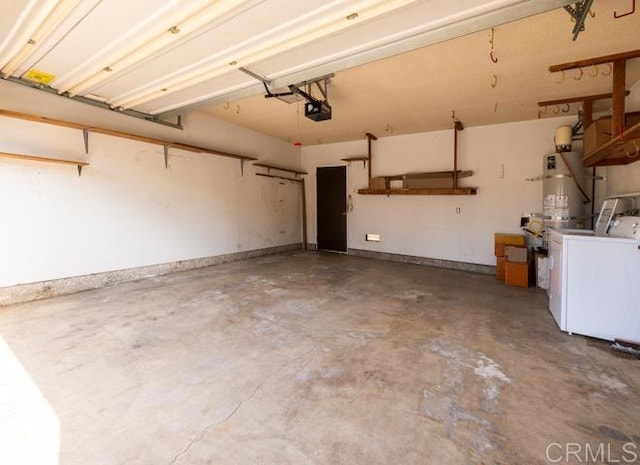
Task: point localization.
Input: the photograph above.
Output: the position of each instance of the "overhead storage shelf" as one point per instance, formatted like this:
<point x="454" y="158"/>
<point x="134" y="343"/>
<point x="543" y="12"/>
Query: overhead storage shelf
<point x="433" y="191"/>
<point x="621" y="150"/>
<point x="19" y="156"/>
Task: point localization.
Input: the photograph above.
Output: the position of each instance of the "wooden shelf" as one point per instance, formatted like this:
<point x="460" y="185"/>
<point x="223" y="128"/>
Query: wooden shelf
<point x="358" y="158"/>
<point x="363" y="158"/>
<point x="19" y="156"/>
<point x="620" y="150"/>
<point x="279" y="168"/>
<point x="439" y="191"/>
<point x="124" y="135"/>
<point x="284" y="178"/>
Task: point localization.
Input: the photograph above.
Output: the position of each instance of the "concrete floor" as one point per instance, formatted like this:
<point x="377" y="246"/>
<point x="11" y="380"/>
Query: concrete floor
<point x="310" y="358"/>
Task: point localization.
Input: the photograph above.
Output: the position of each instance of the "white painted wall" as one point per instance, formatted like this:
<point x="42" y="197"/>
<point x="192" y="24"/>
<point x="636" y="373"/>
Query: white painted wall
<point x="428" y="226"/>
<point x="127" y="210"/>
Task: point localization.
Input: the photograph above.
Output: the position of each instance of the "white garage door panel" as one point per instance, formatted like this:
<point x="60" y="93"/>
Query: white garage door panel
<point x="216" y="45"/>
<point x="404" y="23"/>
<point x="234" y="80"/>
<point x="97" y="39"/>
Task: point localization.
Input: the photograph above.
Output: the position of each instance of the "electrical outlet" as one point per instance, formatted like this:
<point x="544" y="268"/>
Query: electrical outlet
<point x="458" y="210"/>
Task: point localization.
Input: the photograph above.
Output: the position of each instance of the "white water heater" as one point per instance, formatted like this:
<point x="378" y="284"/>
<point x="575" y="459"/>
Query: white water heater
<point x="563" y="199"/>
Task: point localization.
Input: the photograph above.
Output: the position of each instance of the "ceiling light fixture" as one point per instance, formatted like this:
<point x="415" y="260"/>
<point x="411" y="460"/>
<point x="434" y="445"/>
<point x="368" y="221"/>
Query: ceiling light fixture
<point x="279" y="43"/>
<point x="43" y="28"/>
<point x="129" y="58"/>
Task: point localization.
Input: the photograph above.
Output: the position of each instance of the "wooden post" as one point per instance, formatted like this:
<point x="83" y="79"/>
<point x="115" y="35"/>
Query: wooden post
<point x="370" y="137"/>
<point x="304" y="216"/>
<point x="617" y="114"/>
<point x="457" y="126"/>
<point x="587" y="114"/>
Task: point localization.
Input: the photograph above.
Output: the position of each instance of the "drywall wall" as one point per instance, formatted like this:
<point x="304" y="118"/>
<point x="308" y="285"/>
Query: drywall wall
<point x="127" y="210"/>
<point x="501" y="157"/>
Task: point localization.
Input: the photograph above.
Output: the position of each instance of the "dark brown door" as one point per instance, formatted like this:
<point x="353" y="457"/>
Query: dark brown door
<point x="331" y="206"/>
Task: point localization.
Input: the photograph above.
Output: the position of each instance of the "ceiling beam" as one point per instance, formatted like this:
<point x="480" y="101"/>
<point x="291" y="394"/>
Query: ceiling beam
<point x="586" y="98"/>
<point x="595" y="61"/>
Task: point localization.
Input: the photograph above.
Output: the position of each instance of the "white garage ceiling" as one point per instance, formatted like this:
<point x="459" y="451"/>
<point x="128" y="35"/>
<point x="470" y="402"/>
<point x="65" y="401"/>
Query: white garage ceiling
<point x="418" y="90"/>
<point x="401" y="66"/>
<point x="159" y="56"/>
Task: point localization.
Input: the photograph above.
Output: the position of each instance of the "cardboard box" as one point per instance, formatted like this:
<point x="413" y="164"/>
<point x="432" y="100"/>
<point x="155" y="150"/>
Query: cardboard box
<point x="500" y="268"/>
<point x="515" y="254"/>
<point x="516" y="274"/>
<point x="597" y="134"/>
<point x="503" y="239"/>
<point x="378" y="183"/>
<point x="428" y="183"/>
<point x="631" y="119"/>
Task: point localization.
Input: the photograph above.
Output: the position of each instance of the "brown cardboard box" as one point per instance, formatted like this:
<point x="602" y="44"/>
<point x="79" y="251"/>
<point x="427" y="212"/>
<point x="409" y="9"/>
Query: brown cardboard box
<point x="500" y="268"/>
<point x="378" y="183"/>
<point x="597" y="134"/>
<point x="428" y="183"/>
<point x="516" y="274"/>
<point x="515" y="254"/>
<point x="631" y="119"/>
<point x="503" y="239"/>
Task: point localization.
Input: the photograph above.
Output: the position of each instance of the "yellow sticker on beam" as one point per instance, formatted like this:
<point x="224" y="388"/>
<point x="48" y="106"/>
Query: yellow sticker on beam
<point x="39" y="76"/>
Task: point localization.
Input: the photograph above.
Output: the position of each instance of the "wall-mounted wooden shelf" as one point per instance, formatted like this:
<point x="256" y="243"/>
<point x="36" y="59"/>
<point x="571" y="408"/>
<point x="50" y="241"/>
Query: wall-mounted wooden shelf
<point x="457" y="191"/>
<point x="363" y="158"/>
<point x="279" y="168"/>
<point x="620" y="150"/>
<point x="284" y="178"/>
<point x="19" y="156"/>
<point x="86" y="130"/>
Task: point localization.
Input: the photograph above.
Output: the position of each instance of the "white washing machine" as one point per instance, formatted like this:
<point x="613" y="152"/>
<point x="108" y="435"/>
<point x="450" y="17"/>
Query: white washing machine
<point x="594" y="287"/>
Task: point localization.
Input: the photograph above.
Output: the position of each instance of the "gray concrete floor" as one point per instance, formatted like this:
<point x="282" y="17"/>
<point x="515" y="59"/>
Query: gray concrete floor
<point x="310" y="358"/>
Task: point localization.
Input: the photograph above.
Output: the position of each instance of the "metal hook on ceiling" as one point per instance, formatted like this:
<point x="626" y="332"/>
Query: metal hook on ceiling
<point x="579" y="74"/>
<point x="539" y="114"/>
<point x="556" y="110"/>
<point x="494" y="59"/>
<point x="566" y="110"/>
<point x="492" y="37"/>
<point x="610" y="70"/>
<point x="595" y="72"/>
<point x="592" y="13"/>
<point x="633" y="10"/>
<point x="495" y="108"/>
<point x="545" y="110"/>
<point x="494" y="81"/>
<point x="561" y="80"/>
<point x="226" y="106"/>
